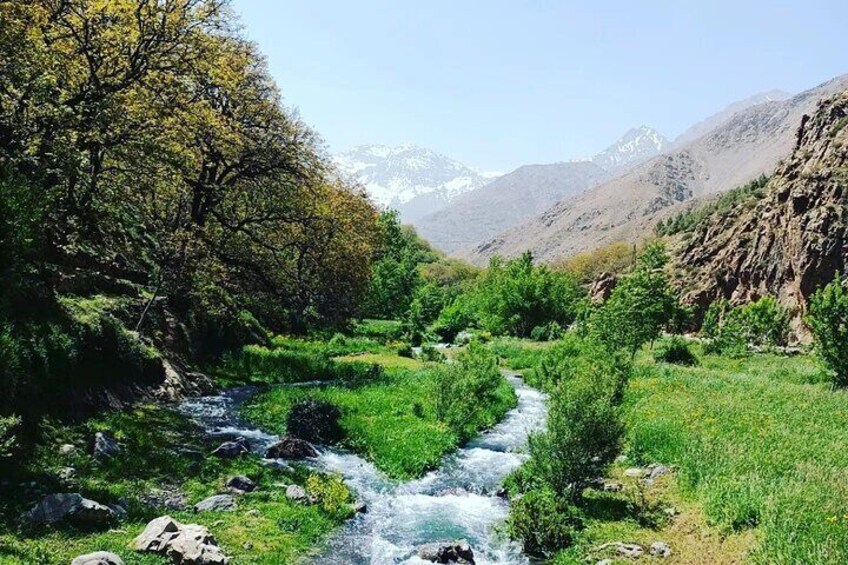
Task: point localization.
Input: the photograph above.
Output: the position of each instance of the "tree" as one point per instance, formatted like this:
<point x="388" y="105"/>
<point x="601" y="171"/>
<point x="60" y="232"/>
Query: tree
<point x="828" y="321"/>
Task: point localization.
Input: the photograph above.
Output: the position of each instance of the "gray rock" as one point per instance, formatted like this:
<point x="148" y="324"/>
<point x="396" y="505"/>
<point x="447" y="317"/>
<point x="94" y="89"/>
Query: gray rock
<point x="634" y="472"/>
<point x="604" y="562"/>
<point x="68" y="507"/>
<point x="241" y="484"/>
<point x="118" y="511"/>
<point x="660" y="549"/>
<point x="611" y="486"/>
<point x="359" y="507"/>
<point x="230" y="450"/>
<point x="629" y="550"/>
<point x="105" y="445"/>
<point x="188" y="544"/>
<point x="67" y="474"/>
<point x="291" y="448"/>
<point x="658" y="471"/>
<point x="447" y="552"/>
<point x="171" y="499"/>
<point x="217" y="503"/>
<point x="296" y="493"/>
<point x="67" y="449"/>
<point x="98" y="558"/>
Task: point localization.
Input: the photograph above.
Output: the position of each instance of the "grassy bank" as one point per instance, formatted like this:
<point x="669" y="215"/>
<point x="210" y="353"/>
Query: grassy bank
<point x="390" y="418"/>
<point x="163" y="452"/>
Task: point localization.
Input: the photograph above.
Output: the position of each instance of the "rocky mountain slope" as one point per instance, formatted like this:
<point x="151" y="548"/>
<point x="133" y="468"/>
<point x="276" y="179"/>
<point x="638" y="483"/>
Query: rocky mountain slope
<point x="634" y="147"/>
<point x="789" y="242"/>
<point x="506" y="201"/>
<point x="626" y="208"/>
<point x="413" y="180"/>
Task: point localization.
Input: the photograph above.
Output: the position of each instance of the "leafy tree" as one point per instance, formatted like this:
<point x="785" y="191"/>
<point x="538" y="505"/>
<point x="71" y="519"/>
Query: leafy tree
<point x="641" y="305"/>
<point x="828" y="322"/>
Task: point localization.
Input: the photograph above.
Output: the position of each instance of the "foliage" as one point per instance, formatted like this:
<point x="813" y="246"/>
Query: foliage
<point x="720" y="206"/>
<point x="675" y="350"/>
<point x="466" y="388"/>
<point x="315" y="421"/>
<point x="547" y="332"/>
<point x="732" y="330"/>
<point x="543" y="522"/>
<point x="640" y="306"/>
<point x="383" y="331"/>
<point x="828" y="322"/>
<point x="330" y="492"/>
<point x="8" y="424"/>
<point x="614" y="258"/>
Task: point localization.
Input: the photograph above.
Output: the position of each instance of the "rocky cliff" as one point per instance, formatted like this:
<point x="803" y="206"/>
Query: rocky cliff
<point x="790" y="241"/>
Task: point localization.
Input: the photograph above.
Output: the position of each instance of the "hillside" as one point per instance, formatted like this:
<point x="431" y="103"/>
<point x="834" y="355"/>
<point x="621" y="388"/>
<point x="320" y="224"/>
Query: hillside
<point x="789" y="242"/>
<point x="508" y="200"/>
<point x="412" y="180"/>
<point x="626" y="208"/>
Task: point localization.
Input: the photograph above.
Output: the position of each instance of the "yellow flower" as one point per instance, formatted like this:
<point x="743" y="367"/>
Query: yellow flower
<point x="832" y="519"/>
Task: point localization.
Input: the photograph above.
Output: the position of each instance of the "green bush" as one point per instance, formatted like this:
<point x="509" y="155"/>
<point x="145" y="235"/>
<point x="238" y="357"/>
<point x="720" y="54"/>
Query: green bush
<point x="732" y="330"/>
<point x="675" y="350"/>
<point x="431" y="354"/>
<point x="828" y="321"/>
<point x="316" y="421"/>
<point x="466" y="388"/>
<point x="8" y="425"/>
<point x="380" y="330"/>
<point x="405" y="350"/>
<point x="547" y="332"/>
<point x="543" y="522"/>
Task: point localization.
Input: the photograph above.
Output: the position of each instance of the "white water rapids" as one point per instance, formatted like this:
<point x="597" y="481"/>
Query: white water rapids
<point x="456" y="501"/>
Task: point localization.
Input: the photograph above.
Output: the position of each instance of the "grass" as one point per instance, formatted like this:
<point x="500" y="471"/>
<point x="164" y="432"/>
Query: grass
<point x="391" y="419"/>
<point x="162" y="450"/>
<point x="519" y="354"/>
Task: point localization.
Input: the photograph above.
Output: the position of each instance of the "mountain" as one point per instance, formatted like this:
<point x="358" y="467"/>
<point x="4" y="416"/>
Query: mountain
<point x="506" y="201"/>
<point x="747" y="144"/>
<point x="720" y="118"/>
<point x="634" y="147"/>
<point x="413" y="180"/>
<point x="790" y="241"/>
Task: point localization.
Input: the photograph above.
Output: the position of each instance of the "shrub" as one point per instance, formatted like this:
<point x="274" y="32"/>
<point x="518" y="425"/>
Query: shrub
<point x="8" y="425"/>
<point x="766" y="322"/>
<point x="547" y="332"/>
<point x="583" y="437"/>
<point x="431" y="354"/>
<point x="405" y="350"/>
<point x="465" y="389"/>
<point x="315" y="421"/>
<point x="330" y="492"/>
<point x="675" y="350"/>
<point x="828" y="322"/>
<point x="763" y="323"/>
<point x="543" y="522"/>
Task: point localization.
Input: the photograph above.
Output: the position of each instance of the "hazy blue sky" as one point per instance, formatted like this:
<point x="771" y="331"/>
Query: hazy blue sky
<point x="497" y="84"/>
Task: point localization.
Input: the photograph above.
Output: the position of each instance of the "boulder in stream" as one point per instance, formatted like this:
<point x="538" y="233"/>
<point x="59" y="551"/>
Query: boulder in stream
<point x="291" y="448"/>
<point x="447" y="552"/>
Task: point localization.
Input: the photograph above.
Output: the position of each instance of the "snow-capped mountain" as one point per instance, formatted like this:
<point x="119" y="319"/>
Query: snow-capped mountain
<point x="634" y="147"/>
<point x="413" y="180"/>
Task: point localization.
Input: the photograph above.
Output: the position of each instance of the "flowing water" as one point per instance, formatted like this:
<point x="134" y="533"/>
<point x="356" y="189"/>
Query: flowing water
<point x="457" y="501"/>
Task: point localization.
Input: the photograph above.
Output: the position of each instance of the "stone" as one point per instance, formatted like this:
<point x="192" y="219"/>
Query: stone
<point x="105" y="445"/>
<point x="658" y="471"/>
<point x="296" y="493"/>
<point x="291" y="448"/>
<point x="118" y="511"/>
<point x="604" y="562"/>
<point x="602" y="288"/>
<point x="611" y="486"/>
<point x="634" y="472"/>
<point x="447" y="552"/>
<point x="188" y="544"/>
<point x="217" y="503"/>
<point x="660" y="549"/>
<point x="241" y="484"/>
<point x="67" y="449"/>
<point x="359" y="507"/>
<point x="98" y="558"/>
<point x="171" y="499"/>
<point x="629" y="550"/>
<point x="69" y="507"/>
<point x="230" y="450"/>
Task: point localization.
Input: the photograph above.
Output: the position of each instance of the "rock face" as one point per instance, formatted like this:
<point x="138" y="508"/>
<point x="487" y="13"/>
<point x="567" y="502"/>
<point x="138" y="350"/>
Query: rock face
<point x="105" y="445"/>
<point x="71" y="508"/>
<point x="291" y="448"/>
<point x="315" y="421"/>
<point x="450" y="552"/>
<point x="188" y="544"/>
<point x="602" y="288"/>
<point x="790" y="241"/>
<point x="98" y="558"/>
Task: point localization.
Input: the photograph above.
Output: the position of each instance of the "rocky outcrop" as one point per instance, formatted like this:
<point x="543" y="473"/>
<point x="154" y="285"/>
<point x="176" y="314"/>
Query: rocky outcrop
<point x="792" y="240"/>
<point x="71" y="508"/>
<point x="184" y="544"/>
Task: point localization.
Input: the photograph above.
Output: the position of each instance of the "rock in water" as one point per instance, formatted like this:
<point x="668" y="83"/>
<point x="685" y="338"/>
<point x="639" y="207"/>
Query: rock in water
<point x="230" y="450"/>
<point x="98" y="558"/>
<point x="188" y="544"/>
<point x="291" y="448"/>
<point x="68" y="507"/>
<point x="105" y="445"/>
<point x="217" y="503"/>
<point x="447" y="552"/>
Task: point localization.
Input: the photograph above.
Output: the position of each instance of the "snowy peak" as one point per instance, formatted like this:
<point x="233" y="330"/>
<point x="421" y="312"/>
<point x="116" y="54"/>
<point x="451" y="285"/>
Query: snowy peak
<point x="635" y="146"/>
<point x="414" y="180"/>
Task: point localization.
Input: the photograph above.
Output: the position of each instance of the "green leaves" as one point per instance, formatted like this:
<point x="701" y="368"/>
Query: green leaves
<point x="828" y="321"/>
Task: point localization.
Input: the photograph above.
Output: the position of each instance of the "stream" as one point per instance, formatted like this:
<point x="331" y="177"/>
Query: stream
<point x="456" y="501"/>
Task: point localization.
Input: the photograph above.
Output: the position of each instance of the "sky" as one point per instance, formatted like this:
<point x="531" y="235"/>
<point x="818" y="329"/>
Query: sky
<point x="497" y="84"/>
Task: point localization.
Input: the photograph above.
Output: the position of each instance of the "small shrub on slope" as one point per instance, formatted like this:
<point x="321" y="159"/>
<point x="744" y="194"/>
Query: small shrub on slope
<point x="828" y="321"/>
<point x="675" y="350"/>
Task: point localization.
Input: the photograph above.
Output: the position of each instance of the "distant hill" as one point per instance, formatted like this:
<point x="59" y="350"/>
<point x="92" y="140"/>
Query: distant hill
<point x="413" y="180"/>
<point x="745" y="145"/>
<point x="636" y="146"/>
